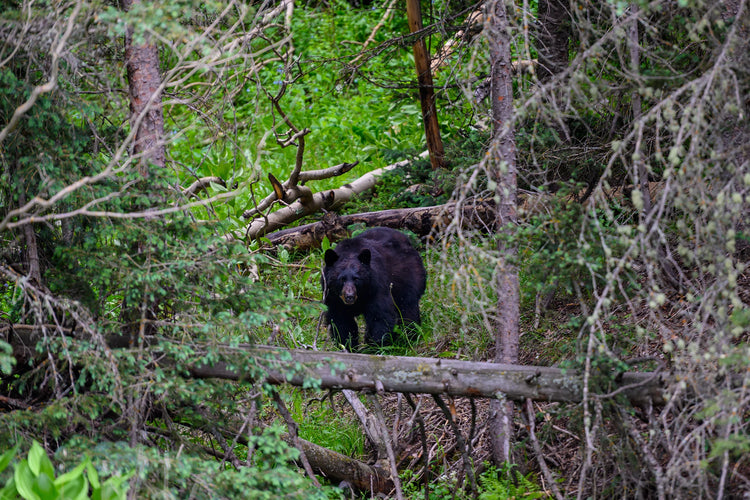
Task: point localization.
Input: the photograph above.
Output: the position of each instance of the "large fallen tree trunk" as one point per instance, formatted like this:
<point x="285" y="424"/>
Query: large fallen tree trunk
<point x="421" y="221"/>
<point x="343" y="370"/>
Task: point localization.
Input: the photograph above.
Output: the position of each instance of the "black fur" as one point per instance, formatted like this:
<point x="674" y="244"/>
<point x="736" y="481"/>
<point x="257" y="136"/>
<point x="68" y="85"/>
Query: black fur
<point x="377" y="274"/>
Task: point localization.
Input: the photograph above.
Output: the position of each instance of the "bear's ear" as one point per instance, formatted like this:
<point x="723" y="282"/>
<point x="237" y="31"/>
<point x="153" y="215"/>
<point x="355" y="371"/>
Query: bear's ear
<point x="364" y="256"/>
<point x="331" y="257"/>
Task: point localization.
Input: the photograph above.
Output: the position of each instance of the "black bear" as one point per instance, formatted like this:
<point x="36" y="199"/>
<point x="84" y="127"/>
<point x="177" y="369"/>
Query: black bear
<point x="377" y="274"/>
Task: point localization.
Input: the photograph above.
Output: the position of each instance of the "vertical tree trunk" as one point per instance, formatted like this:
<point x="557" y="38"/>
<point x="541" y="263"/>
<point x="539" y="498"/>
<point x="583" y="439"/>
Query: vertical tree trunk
<point x="426" y="92"/>
<point x="503" y="158"/>
<point x="32" y="249"/>
<point x="635" y="64"/>
<point x="146" y="115"/>
<point x="148" y="150"/>
<point x="552" y="38"/>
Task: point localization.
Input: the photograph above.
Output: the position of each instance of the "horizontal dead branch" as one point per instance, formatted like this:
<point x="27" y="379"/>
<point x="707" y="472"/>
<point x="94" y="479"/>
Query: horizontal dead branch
<point x="343" y="370"/>
<point x="421" y="221"/>
<point x="309" y="202"/>
<point x="325" y="462"/>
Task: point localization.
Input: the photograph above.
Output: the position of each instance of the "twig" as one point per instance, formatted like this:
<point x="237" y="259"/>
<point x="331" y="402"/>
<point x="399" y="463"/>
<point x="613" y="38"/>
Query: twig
<point x="538" y="451"/>
<point x="389" y="449"/>
<point x="416" y="415"/>
<point x="386" y="16"/>
<point x="292" y="427"/>
<point x="228" y="450"/>
<point x="460" y="442"/>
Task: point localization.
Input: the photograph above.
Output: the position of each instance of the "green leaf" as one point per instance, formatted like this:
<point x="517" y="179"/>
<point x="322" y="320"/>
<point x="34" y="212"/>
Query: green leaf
<point x="76" y="489"/>
<point x="24" y="478"/>
<point x="116" y="487"/>
<point x="39" y="462"/>
<point x="7" y="457"/>
<point x="73" y="474"/>
<point x="92" y="475"/>
<point x="9" y="491"/>
<point x="45" y="488"/>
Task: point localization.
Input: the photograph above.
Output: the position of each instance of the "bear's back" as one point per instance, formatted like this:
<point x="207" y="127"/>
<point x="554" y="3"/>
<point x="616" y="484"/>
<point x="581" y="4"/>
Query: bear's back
<point x="396" y="253"/>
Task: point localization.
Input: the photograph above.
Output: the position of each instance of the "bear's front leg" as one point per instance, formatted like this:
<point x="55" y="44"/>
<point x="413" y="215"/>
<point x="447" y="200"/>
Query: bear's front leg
<point x="380" y="324"/>
<point x="344" y="330"/>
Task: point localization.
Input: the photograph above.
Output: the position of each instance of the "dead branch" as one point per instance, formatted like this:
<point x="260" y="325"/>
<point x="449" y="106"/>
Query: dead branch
<point x="291" y="426"/>
<point x="202" y="184"/>
<point x="312" y="202"/>
<point x="328" y="463"/>
<point x="369" y="424"/>
<point x="406" y="374"/>
<point x="462" y="37"/>
<point x="380" y="419"/>
<point x="290" y="191"/>
<point x="538" y="450"/>
<point x="422" y="221"/>
<point x="387" y="15"/>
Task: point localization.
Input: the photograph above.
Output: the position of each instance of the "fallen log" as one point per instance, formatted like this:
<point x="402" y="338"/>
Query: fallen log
<point x="421" y="221"/>
<point x="338" y="467"/>
<point x="362" y="372"/>
<point x="308" y="203"/>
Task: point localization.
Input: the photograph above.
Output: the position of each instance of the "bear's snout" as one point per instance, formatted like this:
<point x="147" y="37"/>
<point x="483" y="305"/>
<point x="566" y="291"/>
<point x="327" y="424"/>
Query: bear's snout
<point x="349" y="294"/>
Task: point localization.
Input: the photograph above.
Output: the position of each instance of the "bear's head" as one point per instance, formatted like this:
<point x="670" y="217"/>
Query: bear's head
<point x="347" y="276"/>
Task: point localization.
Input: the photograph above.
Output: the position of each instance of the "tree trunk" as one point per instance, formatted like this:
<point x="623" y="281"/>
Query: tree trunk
<point x="638" y="157"/>
<point x="31" y="249"/>
<point x="552" y="38"/>
<point x="148" y="151"/>
<point x="503" y="158"/>
<point x="477" y="379"/>
<point x="144" y="88"/>
<point x="426" y="92"/>
<point x="364" y="372"/>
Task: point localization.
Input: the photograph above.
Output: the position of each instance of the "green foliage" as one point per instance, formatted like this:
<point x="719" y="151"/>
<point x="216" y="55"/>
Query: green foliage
<point x="320" y="423"/>
<point x="508" y="483"/>
<point x="34" y="479"/>
<point x="174" y="474"/>
<point x="362" y="120"/>
<point x="553" y="255"/>
<point x="494" y="484"/>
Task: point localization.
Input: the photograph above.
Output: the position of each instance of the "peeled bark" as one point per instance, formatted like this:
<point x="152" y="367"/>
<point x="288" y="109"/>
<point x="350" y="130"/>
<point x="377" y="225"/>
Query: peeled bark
<point x="311" y="203"/>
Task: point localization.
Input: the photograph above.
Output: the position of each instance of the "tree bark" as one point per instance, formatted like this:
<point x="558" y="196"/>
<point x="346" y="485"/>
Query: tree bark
<point x="503" y="158"/>
<point x="478" y="379"/>
<point x="315" y="202"/>
<point x="426" y="87"/>
<point x="144" y="88"/>
<point x="334" y="465"/>
<point x="32" y="249"/>
<point x="638" y="157"/>
<point x="421" y="221"/>
<point x="363" y="372"/>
